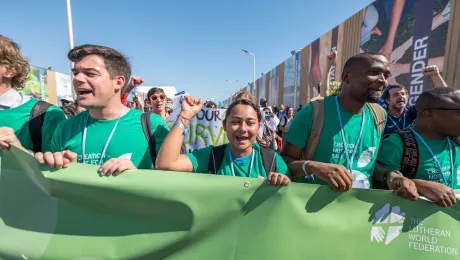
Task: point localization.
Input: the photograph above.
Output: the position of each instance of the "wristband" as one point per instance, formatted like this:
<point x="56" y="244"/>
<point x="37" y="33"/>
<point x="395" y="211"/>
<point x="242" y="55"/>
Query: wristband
<point x="181" y="126"/>
<point x="184" y="117"/>
<point x="307" y="175"/>
<point x="385" y="175"/>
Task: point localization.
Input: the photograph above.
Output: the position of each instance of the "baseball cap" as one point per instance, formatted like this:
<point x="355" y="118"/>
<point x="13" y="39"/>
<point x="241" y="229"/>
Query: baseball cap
<point x="67" y="98"/>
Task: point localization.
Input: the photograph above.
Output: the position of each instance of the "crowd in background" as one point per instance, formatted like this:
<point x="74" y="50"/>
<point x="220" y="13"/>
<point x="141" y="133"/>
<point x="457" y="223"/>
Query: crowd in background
<point x="344" y="141"/>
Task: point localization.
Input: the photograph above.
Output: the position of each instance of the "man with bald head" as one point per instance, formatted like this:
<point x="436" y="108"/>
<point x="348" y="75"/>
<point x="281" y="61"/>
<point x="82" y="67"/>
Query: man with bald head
<point x="349" y="141"/>
<point x="433" y="160"/>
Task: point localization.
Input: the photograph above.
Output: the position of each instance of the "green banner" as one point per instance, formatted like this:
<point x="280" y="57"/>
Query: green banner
<point x="75" y="214"/>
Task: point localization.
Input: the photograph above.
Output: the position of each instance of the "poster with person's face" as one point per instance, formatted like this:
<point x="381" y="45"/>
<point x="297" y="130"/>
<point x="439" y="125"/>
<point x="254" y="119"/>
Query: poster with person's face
<point x="273" y="87"/>
<point x="411" y="34"/>
<point x="36" y="83"/>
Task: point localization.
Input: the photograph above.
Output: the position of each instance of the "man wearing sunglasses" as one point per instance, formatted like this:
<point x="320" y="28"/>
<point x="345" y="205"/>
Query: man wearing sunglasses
<point x="433" y="156"/>
<point x="400" y="115"/>
<point x="108" y="133"/>
<point x="158" y="101"/>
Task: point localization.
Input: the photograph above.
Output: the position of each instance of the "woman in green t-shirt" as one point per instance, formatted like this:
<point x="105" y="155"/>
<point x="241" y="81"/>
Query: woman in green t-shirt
<point x="241" y="157"/>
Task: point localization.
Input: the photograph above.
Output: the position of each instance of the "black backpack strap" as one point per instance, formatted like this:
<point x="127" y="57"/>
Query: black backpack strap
<point x="37" y="117"/>
<point x="268" y="159"/>
<point x="147" y="128"/>
<point x="215" y="158"/>
<point x="410" y="155"/>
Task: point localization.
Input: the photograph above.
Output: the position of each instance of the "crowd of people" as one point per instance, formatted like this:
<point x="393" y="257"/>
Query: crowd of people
<point x="345" y="141"/>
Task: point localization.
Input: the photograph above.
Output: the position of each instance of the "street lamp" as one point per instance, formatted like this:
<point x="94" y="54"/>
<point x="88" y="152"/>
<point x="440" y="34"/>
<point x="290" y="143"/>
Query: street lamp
<point x="254" y="72"/>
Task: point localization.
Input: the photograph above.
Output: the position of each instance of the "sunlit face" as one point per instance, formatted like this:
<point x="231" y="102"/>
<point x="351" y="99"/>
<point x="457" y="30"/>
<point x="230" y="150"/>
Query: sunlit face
<point x="92" y="83"/>
<point x="158" y="102"/>
<point x="6" y="74"/>
<point x="242" y="126"/>
<point x="367" y="80"/>
<point x="397" y="98"/>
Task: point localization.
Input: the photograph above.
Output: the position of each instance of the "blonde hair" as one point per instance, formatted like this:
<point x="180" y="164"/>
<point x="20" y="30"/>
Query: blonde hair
<point x="10" y="55"/>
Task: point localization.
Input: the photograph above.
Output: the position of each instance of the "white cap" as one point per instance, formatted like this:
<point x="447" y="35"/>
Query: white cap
<point x="67" y="98"/>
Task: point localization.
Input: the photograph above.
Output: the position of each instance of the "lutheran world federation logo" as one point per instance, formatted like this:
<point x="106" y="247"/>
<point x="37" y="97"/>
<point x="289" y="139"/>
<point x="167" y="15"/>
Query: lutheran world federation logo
<point x="387" y="224"/>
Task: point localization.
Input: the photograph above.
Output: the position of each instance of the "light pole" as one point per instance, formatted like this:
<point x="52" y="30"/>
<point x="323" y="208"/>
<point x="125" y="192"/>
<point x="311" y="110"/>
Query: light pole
<point x="254" y="72"/>
<point x="70" y="28"/>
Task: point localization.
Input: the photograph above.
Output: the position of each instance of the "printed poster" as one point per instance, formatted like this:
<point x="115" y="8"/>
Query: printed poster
<point x="418" y="40"/>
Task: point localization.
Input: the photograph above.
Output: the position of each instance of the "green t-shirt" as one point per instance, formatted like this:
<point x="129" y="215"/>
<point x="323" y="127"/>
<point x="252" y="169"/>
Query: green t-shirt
<point x="390" y="157"/>
<point x="128" y="140"/>
<point x="330" y="147"/>
<point x="200" y="159"/>
<point x="18" y="119"/>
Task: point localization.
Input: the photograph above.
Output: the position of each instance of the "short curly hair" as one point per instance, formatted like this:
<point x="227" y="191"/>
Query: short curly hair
<point x="11" y="56"/>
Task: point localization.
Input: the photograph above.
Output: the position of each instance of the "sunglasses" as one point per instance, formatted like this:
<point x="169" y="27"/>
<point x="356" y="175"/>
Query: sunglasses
<point x="155" y="97"/>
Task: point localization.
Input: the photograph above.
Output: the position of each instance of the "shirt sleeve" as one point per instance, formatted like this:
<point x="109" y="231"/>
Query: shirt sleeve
<point x="300" y="127"/>
<point x="390" y="154"/>
<point x="159" y="130"/>
<point x="124" y="98"/>
<point x="53" y="116"/>
<point x="281" y="166"/>
<point x="56" y="140"/>
<point x="200" y="159"/>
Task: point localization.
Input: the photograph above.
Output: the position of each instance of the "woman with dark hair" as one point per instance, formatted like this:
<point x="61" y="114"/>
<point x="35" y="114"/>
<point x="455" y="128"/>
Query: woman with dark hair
<point x="158" y="100"/>
<point x="242" y="156"/>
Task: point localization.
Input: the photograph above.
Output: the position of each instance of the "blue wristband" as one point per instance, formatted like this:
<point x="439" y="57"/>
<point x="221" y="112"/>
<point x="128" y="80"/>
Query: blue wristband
<point x="307" y="175"/>
<point x="181" y="126"/>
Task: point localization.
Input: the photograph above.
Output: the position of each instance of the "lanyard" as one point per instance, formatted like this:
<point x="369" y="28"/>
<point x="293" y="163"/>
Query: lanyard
<point x="231" y="162"/>
<point x="350" y="158"/>
<point x="83" y="144"/>
<point x="394" y="123"/>
<point x="437" y="161"/>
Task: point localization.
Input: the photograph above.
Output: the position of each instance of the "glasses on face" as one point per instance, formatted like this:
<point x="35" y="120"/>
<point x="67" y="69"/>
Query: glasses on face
<point x="155" y="97"/>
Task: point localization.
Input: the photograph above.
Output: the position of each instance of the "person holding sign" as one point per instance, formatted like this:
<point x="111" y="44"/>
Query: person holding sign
<point x="241" y="157"/>
<point x="426" y="152"/>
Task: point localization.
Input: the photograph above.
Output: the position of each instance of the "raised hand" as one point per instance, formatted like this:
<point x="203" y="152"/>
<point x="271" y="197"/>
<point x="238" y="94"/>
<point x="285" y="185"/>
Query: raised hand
<point x="191" y="106"/>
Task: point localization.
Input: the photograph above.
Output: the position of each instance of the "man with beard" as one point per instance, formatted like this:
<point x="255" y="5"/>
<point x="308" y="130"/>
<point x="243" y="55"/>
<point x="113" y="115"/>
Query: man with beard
<point x="350" y="136"/>
<point x="396" y="97"/>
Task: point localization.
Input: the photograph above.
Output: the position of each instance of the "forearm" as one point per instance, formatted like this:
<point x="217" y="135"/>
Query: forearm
<point x="420" y="184"/>
<point x="296" y="167"/>
<point x="325" y="81"/>
<point x="396" y="13"/>
<point x="438" y="81"/>
<point x="171" y="148"/>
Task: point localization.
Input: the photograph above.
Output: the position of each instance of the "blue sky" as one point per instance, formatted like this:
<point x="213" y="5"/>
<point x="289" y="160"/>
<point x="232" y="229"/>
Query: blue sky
<point x="193" y="45"/>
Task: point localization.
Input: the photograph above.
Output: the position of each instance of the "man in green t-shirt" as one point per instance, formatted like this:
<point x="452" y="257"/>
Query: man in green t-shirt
<point x="349" y="123"/>
<point x="108" y="133"/>
<point x="16" y="108"/>
<point x="437" y="175"/>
